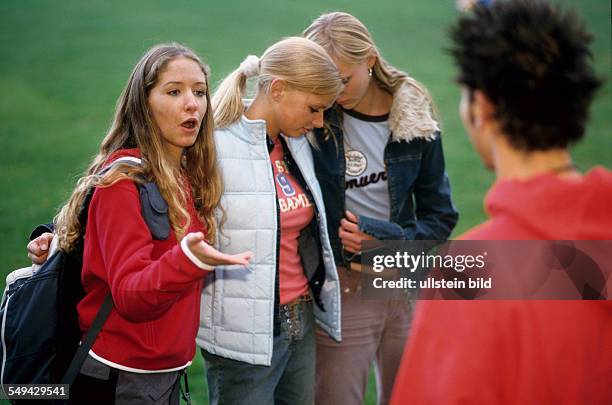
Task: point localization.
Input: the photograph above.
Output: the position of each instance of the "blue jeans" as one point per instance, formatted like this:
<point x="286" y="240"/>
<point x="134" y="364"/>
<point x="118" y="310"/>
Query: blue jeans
<point x="288" y="380"/>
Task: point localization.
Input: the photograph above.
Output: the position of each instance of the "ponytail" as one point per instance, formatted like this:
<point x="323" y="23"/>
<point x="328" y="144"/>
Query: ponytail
<point x="301" y="63"/>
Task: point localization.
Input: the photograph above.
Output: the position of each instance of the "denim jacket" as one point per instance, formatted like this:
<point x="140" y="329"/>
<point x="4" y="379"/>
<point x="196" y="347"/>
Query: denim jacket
<point x="419" y="190"/>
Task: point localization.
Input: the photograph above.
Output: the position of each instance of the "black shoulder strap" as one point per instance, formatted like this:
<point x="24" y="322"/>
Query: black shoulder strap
<point x="83" y="213"/>
<point x="87" y="342"/>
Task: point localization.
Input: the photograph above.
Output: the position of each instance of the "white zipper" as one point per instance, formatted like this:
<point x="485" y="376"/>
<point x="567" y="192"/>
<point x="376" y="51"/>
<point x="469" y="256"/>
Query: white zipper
<point x="4" y="295"/>
<point x="4" y="344"/>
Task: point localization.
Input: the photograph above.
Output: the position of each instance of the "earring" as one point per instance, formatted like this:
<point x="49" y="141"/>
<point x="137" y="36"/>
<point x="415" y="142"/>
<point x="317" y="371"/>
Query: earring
<point x="370" y="72"/>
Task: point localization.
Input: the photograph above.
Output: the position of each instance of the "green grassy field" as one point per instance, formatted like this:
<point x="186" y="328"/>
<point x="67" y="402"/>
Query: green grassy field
<point x="64" y="64"/>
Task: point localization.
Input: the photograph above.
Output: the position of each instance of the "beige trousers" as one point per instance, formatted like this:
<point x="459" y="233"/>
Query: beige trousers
<point x="374" y="333"/>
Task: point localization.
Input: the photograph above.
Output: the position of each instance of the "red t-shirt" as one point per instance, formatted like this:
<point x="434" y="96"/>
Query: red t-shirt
<point x="296" y="212"/>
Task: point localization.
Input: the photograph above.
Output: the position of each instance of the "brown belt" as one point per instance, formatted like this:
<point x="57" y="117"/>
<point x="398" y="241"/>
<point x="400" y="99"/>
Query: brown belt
<point x="294" y="303"/>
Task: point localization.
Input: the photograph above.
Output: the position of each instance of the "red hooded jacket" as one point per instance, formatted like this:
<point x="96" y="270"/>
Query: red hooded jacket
<point x="519" y="352"/>
<point x="155" y="286"/>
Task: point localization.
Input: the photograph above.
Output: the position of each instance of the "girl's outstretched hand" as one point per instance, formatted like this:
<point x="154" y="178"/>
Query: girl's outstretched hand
<point x="211" y="256"/>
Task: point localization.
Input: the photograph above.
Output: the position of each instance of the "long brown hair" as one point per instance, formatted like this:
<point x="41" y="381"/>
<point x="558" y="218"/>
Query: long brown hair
<point x="134" y="127"/>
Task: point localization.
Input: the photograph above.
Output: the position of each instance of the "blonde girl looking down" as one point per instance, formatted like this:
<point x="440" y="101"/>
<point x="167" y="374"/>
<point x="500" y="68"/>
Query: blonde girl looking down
<point x="257" y="322"/>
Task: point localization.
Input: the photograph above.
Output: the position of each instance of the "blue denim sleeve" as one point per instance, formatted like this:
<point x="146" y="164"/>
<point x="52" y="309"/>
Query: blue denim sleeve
<point x="435" y="212"/>
<point x="382" y="230"/>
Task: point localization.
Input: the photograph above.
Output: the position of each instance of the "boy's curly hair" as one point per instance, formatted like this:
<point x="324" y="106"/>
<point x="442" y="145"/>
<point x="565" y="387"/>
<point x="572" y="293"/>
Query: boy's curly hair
<point x="532" y="60"/>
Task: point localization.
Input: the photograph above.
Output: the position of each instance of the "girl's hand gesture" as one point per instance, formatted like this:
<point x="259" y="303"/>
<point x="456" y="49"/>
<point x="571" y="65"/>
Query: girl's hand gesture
<point x="211" y="256"/>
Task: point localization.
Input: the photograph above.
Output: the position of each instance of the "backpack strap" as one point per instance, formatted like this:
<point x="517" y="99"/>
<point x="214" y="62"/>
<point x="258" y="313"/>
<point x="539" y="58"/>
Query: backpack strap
<point x="88" y="340"/>
<point x="154" y="210"/>
<point x="153" y="207"/>
<point x="84" y="211"/>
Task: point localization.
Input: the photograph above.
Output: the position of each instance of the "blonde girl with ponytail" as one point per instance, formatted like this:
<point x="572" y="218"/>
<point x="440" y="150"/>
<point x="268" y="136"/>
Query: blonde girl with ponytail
<point x="380" y="164"/>
<point x="257" y="321"/>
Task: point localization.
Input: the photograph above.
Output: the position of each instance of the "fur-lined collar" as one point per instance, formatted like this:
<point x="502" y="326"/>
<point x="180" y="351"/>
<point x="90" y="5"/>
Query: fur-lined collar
<point x="411" y="115"/>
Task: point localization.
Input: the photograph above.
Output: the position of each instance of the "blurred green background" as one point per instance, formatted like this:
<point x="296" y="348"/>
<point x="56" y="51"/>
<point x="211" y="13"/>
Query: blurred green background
<point x="64" y="64"/>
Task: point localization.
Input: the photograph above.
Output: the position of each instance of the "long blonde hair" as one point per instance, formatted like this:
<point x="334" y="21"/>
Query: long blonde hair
<point x="134" y="127"/>
<point x="301" y="63"/>
<point x="345" y="37"/>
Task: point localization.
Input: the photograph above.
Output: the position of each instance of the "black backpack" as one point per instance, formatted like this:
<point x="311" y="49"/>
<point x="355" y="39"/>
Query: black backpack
<point x="39" y="321"/>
